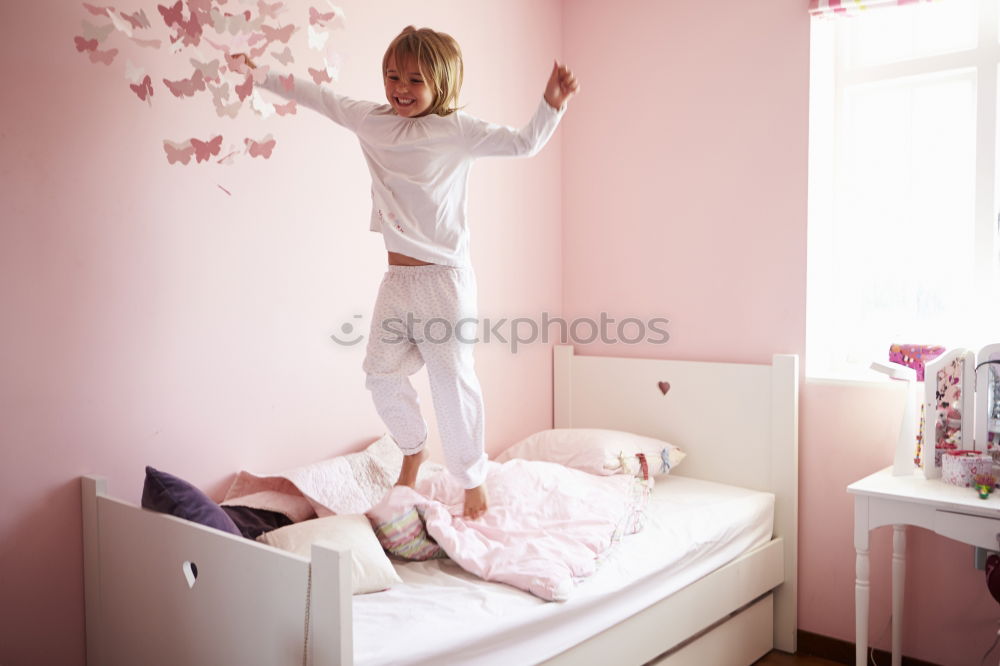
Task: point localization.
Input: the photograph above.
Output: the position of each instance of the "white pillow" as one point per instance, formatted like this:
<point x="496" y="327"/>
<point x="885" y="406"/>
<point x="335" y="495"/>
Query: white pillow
<point x="603" y="452"/>
<point x="371" y="570"/>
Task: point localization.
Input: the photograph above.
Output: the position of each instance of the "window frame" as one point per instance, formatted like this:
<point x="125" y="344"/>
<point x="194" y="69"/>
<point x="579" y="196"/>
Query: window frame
<point x="829" y="81"/>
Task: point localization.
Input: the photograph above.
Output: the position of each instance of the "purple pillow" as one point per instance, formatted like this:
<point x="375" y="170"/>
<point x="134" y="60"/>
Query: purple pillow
<point x="254" y="522"/>
<point x="167" y="493"/>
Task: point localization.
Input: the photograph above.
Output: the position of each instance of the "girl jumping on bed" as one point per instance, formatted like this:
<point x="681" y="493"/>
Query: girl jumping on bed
<point x="419" y="148"/>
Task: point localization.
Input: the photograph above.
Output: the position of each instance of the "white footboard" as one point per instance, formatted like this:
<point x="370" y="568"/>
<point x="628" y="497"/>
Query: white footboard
<point x="162" y="590"/>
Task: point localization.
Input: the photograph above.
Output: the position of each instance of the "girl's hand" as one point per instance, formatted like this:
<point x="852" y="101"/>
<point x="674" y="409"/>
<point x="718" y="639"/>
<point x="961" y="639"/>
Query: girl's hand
<point x="245" y="59"/>
<point x="561" y="87"/>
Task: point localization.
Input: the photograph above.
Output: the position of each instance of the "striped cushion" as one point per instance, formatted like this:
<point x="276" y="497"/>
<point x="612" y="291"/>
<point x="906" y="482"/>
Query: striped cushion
<point x="404" y="536"/>
<point x="399" y="526"/>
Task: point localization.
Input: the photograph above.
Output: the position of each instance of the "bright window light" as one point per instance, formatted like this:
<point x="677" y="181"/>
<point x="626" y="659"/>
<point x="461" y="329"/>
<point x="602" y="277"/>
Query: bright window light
<point x="902" y="213"/>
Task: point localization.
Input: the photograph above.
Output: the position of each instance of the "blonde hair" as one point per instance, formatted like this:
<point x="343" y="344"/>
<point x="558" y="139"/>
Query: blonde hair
<point x="439" y="59"/>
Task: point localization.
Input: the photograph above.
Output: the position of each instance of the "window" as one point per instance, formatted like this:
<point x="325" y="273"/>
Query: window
<point x="902" y="183"/>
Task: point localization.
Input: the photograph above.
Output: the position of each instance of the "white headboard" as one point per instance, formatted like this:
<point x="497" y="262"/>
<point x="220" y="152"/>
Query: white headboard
<point x="737" y="422"/>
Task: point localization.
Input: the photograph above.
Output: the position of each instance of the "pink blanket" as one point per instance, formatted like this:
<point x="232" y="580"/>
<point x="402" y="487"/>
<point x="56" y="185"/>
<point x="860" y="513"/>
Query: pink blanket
<point x="547" y="526"/>
<point x="344" y="484"/>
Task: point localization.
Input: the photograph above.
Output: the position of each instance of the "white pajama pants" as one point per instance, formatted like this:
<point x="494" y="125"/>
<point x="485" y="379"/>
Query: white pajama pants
<point x="426" y="315"/>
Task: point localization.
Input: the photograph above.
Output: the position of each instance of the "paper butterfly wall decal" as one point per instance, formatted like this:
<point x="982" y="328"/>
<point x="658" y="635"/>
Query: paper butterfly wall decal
<point x="260" y="148"/>
<point x="284" y="56"/>
<point x="178" y="152"/>
<point x="664" y="387"/>
<point x="195" y="39"/>
<point x="144" y="90"/>
<point x="85" y="44"/>
<point x="205" y="149"/>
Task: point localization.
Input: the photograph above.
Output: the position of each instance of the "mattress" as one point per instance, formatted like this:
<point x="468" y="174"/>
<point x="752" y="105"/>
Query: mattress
<point x="442" y="614"/>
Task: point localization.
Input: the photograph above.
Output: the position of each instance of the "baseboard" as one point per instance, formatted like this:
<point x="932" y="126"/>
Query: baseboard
<point x="842" y="652"/>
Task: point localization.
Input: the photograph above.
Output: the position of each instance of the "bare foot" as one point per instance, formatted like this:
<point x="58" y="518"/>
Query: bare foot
<point x="411" y="465"/>
<point x="476" y="502"/>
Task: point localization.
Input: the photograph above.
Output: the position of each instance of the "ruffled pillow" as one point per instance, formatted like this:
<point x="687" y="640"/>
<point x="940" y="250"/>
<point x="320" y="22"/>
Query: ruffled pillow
<point x="597" y="451"/>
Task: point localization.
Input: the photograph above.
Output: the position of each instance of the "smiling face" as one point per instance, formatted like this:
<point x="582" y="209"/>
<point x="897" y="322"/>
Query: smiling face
<point x="406" y="89"/>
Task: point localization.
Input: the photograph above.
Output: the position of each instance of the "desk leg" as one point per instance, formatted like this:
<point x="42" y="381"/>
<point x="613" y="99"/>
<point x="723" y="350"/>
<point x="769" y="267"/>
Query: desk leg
<point x="898" y="580"/>
<point x="861" y="580"/>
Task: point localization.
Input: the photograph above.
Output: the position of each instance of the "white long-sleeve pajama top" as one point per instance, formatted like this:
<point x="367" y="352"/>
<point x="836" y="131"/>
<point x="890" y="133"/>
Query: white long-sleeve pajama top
<point x="420" y="166"/>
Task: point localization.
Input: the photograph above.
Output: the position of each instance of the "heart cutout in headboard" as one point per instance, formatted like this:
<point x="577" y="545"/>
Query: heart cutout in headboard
<point x="190" y="570"/>
<point x="664" y="387"/>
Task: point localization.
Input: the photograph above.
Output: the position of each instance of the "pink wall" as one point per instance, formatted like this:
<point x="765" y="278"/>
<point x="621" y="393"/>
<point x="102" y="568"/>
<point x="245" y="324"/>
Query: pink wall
<point x="685" y="182"/>
<point x="685" y="197"/>
<point x="148" y="318"/>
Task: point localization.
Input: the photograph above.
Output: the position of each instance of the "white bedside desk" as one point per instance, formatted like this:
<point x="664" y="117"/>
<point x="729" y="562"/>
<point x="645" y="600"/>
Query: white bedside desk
<point x="884" y="499"/>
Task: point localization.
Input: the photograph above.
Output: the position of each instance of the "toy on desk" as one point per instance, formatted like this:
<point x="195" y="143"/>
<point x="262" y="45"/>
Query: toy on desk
<point x="914" y="356"/>
<point x="985" y="484"/>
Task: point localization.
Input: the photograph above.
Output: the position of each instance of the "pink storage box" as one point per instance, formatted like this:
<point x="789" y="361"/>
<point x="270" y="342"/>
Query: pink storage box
<point x="960" y="468"/>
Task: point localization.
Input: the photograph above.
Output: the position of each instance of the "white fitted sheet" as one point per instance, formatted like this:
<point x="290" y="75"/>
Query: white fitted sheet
<point x="442" y="615"/>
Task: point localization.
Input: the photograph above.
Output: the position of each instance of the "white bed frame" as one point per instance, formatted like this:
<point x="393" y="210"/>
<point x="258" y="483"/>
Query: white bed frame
<point x="250" y="604"/>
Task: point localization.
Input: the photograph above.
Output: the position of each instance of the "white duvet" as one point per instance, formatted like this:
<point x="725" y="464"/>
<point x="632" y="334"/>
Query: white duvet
<point x="546" y="529"/>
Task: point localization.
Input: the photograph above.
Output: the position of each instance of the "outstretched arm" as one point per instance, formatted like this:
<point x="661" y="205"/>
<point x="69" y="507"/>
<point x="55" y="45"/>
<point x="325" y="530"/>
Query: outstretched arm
<point x="342" y="110"/>
<point x="486" y="139"/>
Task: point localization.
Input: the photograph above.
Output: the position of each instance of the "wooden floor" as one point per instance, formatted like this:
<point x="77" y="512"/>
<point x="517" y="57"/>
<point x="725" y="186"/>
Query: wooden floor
<point x="777" y="658"/>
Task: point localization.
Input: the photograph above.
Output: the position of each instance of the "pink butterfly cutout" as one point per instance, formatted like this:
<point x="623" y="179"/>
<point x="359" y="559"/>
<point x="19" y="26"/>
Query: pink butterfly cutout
<point x="260" y="148"/>
<point x="205" y="149"/>
<point x="285" y="109"/>
<point x="231" y="110"/>
<point x="320" y="75"/>
<point x="173" y="14"/>
<point x="285" y="57"/>
<point x="210" y="70"/>
<point x="144" y="89"/>
<point x="85" y="44"/>
<point x="190" y="30"/>
<point x="186" y="87"/>
<point x="315" y="18"/>
<point x="270" y="10"/>
<point x="103" y="56"/>
<point x="287" y="82"/>
<point x="220" y="96"/>
<point x="96" y="11"/>
<point x="244" y="89"/>
<point x="278" y="34"/>
<point x="178" y="152"/>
